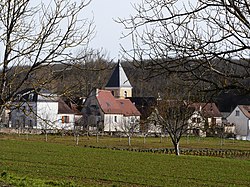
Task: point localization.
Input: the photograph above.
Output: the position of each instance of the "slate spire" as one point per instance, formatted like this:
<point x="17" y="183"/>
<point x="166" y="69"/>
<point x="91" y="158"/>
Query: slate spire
<point x="118" y="78"/>
<point x="118" y="83"/>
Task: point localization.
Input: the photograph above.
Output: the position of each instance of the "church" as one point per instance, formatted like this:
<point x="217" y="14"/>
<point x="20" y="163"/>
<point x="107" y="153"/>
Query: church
<point x="109" y="110"/>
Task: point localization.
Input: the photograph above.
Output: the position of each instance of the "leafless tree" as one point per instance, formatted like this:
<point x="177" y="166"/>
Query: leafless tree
<point x="130" y="126"/>
<point x="34" y="35"/>
<point x="206" y="42"/>
<point x="173" y="116"/>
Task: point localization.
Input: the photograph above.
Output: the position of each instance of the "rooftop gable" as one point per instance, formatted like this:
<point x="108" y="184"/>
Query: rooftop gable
<point x="245" y="110"/>
<point x="207" y="109"/>
<point x="63" y="108"/>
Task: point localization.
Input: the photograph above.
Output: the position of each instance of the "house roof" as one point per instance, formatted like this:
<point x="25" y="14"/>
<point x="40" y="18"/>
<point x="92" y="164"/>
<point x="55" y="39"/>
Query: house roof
<point x="207" y="109"/>
<point x="118" y="78"/>
<point x="63" y="108"/>
<point x="35" y="95"/>
<point x="108" y="102"/>
<point x="110" y="105"/>
<point x="128" y="108"/>
<point x="245" y="109"/>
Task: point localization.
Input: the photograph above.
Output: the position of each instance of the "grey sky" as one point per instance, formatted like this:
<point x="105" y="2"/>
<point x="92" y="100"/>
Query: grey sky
<point x="108" y="32"/>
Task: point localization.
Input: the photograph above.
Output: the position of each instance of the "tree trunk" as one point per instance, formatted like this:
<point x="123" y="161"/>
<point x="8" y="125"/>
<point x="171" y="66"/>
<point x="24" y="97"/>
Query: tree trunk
<point x="46" y="136"/>
<point x="129" y="140"/>
<point x="144" y="139"/>
<point x="176" y="148"/>
<point x="77" y="139"/>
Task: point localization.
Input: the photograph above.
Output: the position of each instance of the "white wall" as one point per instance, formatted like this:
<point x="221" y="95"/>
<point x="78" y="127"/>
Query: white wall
<point x="47" y="115"/>
<point x="24" y="115"/>
<point x="65" y="126"/>
<point x="241" y="123"/>
<point x="110" y="125"/>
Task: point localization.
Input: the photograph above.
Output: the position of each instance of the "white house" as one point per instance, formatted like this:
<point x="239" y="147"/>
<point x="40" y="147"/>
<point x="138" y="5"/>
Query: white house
<point x="206" y="119"/>
<point x="40" y="109"/>
<point x="106" y="113"/>
<point x="65" y="117"/>
<point x="240" y="117"/>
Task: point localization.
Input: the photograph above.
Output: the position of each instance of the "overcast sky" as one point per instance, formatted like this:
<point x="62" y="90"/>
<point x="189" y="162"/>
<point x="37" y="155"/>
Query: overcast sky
<point x="108" y="32"/>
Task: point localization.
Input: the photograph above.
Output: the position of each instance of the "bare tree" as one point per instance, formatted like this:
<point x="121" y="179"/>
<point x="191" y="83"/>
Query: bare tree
<point x="34" y="35"/>
<point x="205" y="41"/>
<point x="130" y="126"/>
<point x="173" y="116"/>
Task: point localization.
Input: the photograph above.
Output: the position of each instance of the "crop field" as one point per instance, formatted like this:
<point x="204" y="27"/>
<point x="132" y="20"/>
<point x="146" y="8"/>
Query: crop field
<point x="136" y="142"/>
<point x="34" y="162"/>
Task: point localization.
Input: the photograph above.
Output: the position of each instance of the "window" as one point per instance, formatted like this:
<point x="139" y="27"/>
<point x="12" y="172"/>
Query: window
<point x="65" y="119"/>
<point x="115" y="119"/>
<point x="237" y="113"/>
<point x="31" y="97"/>
<point x="125" y="94"/>
<point x="198" y="120"/>
<point x="214" y="121"/>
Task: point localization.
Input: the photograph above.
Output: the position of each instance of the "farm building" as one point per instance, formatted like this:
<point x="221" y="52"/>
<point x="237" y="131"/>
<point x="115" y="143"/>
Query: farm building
<point x="40" y="109"/>
<point x="240" y="118"/>
<point x="206" y="119"/>
<point x="106" y="113"/>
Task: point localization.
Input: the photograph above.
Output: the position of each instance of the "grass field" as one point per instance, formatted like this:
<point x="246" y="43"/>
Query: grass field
<point x="137" y="142"/>
<point x="54" y="163"/>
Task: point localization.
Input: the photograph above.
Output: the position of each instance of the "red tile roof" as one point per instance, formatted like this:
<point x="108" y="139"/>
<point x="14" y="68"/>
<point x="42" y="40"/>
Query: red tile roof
<point x="128" y="108"/>
<point x="110" y="105"/>
<point x="108" y="102"/>
<point x="207" y="109"/>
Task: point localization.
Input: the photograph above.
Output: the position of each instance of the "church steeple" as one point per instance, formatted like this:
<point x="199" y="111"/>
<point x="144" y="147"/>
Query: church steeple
<point x="119" y="84"/>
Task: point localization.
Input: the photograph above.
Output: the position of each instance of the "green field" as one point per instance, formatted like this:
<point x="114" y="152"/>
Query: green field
<point x="54" y="163"/>
<point x="137" y="142"/>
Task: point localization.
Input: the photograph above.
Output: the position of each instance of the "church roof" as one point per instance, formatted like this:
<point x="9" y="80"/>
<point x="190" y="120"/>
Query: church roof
<point x="110" y="105"/>
<point x="118" y="78"/>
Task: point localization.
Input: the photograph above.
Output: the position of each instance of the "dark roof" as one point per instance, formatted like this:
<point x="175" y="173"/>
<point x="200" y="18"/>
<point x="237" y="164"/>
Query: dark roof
<point x="144" y="104"/>
<point x="63" y="108"/>
<point x="118" y="78"/>
<point x="34" y="95"/>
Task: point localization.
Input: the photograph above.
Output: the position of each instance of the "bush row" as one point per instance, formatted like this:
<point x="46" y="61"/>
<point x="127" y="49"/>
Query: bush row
<point x="224" y="153"/>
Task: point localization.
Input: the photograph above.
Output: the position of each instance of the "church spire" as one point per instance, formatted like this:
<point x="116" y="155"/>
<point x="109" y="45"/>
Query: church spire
<point x="119" y="83"/>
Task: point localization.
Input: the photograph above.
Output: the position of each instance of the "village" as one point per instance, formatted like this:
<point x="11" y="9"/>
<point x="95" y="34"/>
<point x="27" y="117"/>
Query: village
<point x="113" y="111"/>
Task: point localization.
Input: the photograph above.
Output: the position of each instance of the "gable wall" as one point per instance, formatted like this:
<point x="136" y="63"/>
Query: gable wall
<point x="48" y="111"/>
<point x="241" y="122"/>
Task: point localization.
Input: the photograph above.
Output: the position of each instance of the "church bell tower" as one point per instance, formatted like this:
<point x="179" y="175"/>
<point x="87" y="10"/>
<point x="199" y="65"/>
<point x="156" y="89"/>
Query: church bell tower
<point x="119" y="84"/>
